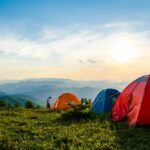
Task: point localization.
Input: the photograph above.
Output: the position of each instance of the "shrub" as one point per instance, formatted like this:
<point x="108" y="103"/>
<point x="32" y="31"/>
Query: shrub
<point x="3" y="104"/>
<point x="38" y="107"/>
<point x="86" y="103"/>
<point x="9" y="106"/>
<point x="16" y="105"/>
<point x="29" y="104"/>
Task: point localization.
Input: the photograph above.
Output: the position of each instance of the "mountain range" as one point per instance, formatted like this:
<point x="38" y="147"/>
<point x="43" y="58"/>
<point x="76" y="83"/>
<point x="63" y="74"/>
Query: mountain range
<point x="38" y="90"/>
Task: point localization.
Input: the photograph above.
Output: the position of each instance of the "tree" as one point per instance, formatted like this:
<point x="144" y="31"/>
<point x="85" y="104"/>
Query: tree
<point x="2" y="103"/>
<point x="29" y="104"/>
<point x="16" y="105"/>
<point x="38" y="106"/>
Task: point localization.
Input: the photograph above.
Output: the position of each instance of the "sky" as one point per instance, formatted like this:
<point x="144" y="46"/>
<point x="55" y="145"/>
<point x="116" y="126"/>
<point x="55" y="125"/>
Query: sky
<point x="74" y="39"/>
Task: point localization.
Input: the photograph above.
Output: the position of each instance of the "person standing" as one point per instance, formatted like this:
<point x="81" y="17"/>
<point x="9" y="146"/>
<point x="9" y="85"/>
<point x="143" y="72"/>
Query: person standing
<point x="49" y="103"/>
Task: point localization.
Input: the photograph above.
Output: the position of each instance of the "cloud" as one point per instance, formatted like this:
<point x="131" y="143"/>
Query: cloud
<point x="68" y="49"/>
<point x="116" y="24"/>
<point x="79" y="44"/>
<point x="80" y="61"/>
<point x="92" y="61"/>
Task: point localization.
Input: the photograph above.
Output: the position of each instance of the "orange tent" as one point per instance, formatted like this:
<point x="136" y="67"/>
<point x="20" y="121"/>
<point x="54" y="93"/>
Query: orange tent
<point x="65" y="101"/>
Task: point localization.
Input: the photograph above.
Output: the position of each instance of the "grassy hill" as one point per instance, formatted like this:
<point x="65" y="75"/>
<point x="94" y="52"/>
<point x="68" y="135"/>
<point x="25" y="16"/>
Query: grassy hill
<point x="43" y="129"/>
<point x="19" y="99"/>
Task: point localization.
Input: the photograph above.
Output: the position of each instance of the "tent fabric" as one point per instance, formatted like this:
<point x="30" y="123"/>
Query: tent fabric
<point x="134" y="103"/>
<point x="65" y="101"/>
<point x="104" y="101"/>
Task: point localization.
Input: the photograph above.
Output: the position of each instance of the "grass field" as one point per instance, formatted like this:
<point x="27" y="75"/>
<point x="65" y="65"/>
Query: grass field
<point x="43" y="129"/>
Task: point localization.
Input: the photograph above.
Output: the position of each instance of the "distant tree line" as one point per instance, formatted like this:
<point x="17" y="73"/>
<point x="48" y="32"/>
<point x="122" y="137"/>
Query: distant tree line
<point x="85" y="104"/>
<point x="28" y="105"/>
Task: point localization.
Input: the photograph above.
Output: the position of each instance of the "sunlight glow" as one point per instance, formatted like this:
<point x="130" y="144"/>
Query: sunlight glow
<point x="123" y="53"/>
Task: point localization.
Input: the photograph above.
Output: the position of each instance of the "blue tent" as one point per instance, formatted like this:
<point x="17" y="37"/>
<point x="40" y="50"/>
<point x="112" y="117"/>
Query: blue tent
<point x="104" y="101"/>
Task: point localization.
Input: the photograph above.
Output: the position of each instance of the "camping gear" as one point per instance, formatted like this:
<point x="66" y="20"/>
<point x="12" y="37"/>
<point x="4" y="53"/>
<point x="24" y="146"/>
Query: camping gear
<point x="134" y="103"/>
<point x="66" y="101"/>
<point x="104" y="101"/>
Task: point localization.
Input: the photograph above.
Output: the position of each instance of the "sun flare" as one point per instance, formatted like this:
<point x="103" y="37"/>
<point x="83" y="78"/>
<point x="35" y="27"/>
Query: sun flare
<point x="123" y="53"/>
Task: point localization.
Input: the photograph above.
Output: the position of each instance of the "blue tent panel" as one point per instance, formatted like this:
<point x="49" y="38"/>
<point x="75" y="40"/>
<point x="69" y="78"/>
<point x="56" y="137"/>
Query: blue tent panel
<point x="98" y="104"/>
<point x="111" y="96"/>
<point x="104" y="101"/>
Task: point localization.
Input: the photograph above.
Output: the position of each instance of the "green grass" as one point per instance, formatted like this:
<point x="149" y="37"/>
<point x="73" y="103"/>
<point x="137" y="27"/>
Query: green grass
<point x="43" y="129"/>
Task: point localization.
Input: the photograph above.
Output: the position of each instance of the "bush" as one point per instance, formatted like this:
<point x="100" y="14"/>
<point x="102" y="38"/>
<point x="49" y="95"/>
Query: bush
<point x="16" y="105"/>
<point x="29" y="105"/>
<point x="3" y="104"/>
<point x="85" y="105"/>
<point x="38" y="107"/>
<point x="86" y="102"/>
<point x="9" y="106"/>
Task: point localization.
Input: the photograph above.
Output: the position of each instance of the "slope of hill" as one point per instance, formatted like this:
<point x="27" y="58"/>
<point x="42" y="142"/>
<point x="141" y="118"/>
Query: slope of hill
<point x="17" y="99"/>
<point x="42" y="129"/>
<point x="2" y="93"/>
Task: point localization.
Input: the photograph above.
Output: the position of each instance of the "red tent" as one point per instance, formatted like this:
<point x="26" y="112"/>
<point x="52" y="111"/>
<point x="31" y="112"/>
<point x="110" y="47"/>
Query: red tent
<point x="134" y="103"/>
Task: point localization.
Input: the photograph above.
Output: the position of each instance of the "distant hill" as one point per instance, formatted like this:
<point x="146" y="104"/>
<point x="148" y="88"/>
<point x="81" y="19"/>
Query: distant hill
<point x="19" y="99"/>
<point x="41" y="89"/>
<point x="2" y="93"/>
<point x="43" y="94"/>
